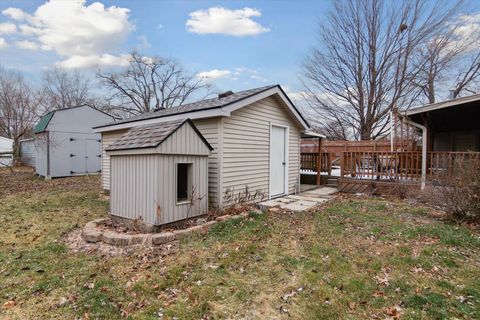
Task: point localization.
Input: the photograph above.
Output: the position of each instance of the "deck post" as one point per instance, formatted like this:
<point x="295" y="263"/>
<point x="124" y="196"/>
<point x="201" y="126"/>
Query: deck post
<point x="424" y="150"/>
<point x="319" y="161"/>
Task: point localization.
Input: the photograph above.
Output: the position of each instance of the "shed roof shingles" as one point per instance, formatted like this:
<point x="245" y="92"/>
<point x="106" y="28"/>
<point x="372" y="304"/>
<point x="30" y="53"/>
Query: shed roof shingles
<point x="146" y="136"/>
<point x="195" y="106"/>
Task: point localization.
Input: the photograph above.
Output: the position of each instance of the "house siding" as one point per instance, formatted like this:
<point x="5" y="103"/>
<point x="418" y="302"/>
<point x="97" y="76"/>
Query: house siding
<point x="210" y="129"/>
<point x="107" y="139"/>
<point x="246" y="147"/>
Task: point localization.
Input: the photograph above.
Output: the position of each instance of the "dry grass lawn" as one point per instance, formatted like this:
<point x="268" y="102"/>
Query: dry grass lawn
<point x="357" y="258"/>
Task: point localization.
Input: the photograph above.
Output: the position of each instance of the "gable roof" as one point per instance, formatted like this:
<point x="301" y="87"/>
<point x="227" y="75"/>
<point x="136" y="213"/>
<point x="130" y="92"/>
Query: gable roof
<point x="443" y="104"/>
<point x="151" y="136"/>
<point x="42" y="124"/>
<point x="215" y="104"/>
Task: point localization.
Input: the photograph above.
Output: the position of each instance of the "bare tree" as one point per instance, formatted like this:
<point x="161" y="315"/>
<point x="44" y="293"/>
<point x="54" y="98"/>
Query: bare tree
<point x="467" y="78"/>
<point x="150" y="83"/>
<point x="450" y="60"/>
<point x="63" y="89"/>
<point x="18" y="107"/>
<point x="439" y="55"/>
<point x="368" y="59"/>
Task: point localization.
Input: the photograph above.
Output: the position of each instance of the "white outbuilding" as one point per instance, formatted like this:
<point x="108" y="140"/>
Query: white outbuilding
<point x="65" y="144"/>
<point x="6" y="152"/>
<point x="159" y="173"/>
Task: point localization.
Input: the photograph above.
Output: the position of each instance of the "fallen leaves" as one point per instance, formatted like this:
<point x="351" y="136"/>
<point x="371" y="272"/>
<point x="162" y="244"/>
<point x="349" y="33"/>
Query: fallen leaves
<point x="394" y="312"/>
<point x="292" y="294"/>
<point x="89" y="285"/>
<point x="352" y="305"/>
<point x="384" y="279"/>
<point x="9" y="304"/>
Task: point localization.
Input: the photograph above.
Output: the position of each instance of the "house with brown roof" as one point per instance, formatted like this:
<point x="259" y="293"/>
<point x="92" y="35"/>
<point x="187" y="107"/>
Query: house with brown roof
<point x="254" y="136"/>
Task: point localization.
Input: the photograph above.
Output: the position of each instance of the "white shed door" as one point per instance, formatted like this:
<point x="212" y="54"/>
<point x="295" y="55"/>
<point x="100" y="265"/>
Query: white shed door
<point x="93" y="157"/>
<point x="278" y="161"/>
<point x="77" y="156"/>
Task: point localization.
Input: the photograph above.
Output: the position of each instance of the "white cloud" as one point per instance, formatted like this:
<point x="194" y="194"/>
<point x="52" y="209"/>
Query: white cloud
<point x="77" y="31"/>
<point x="295" y="96"/>
<point x="15" y="14"/>
<point x="218" y="20"/>
<point x="143" y="42"/>
<point x="7" y="28"/>
<point x="213" y="74"/>
<point x="253" y="74"/>
<point x="234" y="74"/>
<point x="466" y="34"/>
<point x="91" y="61"/>
<point x="258" y="78"/>
<point x="3" y="43"/>
<point x="28" y="30"/>
<point x="28" y="45"/>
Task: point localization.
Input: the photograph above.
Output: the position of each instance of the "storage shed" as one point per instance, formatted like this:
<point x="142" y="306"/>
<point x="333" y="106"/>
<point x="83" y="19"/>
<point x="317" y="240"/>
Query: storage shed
<point x="256" y="139"/>
<point x="159" y="173"/>
<point x="65" y="144"/>
<point x="6" y="152"/>
<point x="27" y="152"/>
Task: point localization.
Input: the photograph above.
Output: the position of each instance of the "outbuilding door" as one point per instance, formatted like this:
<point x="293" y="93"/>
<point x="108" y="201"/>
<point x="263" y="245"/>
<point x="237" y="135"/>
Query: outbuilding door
<point x="278" y="161"/>
<point x="93" y="155"/>
<point x="77" y="156"/>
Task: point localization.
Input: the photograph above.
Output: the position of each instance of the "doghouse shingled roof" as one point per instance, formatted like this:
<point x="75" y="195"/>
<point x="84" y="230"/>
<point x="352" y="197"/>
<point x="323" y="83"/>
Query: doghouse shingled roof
<point x="151" y="136"/>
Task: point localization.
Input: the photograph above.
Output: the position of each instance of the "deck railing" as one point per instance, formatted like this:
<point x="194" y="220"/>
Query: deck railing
<point x="400" y="165"/>
<point x="309" y="162"/>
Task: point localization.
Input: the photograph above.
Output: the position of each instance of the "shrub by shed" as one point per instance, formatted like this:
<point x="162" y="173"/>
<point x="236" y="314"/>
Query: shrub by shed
<point x="159" y="173"/>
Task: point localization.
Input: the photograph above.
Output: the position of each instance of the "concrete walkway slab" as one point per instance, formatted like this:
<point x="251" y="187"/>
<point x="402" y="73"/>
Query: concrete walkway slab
<point x="298" y="203"/>
<point x="319" y="200"/>
<point x="324" y="191"/>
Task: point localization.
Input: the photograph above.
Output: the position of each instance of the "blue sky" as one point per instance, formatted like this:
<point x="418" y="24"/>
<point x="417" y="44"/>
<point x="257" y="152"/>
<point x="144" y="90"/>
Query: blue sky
<point x="276" y="37"/>
<point x="233" y="44"/>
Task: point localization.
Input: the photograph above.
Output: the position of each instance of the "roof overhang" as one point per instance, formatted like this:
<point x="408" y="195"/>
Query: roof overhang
<point x="443" y="104"/>
<point x="215" y="112"/>
<point x="311" y="134"/>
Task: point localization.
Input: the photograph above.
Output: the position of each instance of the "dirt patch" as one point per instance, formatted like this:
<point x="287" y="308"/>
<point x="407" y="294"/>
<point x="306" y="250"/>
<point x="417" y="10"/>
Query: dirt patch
<point x="23" y="179"/>
<point x="77" y="244"/>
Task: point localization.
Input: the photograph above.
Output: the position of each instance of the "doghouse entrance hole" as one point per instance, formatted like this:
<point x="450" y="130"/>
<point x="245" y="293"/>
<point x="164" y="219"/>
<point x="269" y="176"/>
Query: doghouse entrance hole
<point x="184" y="182"/>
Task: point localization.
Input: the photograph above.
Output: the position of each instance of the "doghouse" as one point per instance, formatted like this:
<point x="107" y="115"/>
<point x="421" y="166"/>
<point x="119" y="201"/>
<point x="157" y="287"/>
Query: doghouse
<point x="159" y="173"/>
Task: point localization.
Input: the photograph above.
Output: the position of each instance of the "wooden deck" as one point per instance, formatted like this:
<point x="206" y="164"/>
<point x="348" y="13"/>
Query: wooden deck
<point x="401" y="165"/>
<point x="360" y="169"/>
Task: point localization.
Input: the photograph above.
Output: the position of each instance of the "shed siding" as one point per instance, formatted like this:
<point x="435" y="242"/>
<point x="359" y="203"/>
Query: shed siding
<point x="246" y="147"/>
<point x="107" y="139"/>
<point x="209" y="128"/>
<point x="27" y="152"/>
<point x="144" y="187"/>
<point x="77" y="119"/>
<point x="41" y="153"/>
